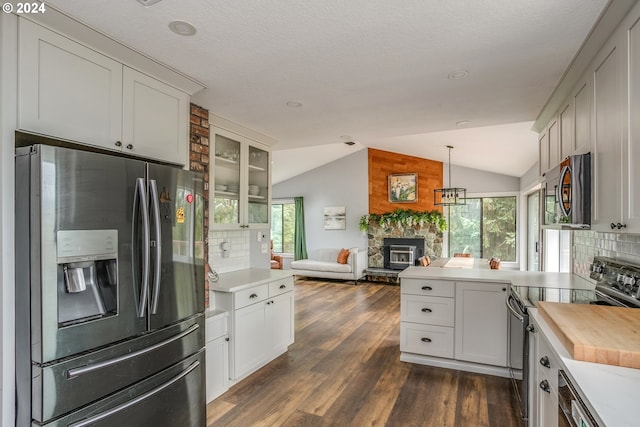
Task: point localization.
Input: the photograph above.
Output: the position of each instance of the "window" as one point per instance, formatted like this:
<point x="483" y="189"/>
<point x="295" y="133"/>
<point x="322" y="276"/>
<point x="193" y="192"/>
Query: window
<point x="283" y="221"/>
<point x="484" y="227"/>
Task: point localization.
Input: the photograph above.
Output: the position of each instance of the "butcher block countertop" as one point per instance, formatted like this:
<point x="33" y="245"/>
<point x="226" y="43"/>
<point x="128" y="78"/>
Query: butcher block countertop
<point x="610" y="392"/>
<point x="595" y="333"/>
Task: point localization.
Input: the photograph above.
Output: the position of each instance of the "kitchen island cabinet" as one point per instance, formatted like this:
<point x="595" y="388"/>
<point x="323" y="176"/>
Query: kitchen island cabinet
<point x="481" y="323"/>
<point x="457" y="317"/>
<point x="260" y="303"/>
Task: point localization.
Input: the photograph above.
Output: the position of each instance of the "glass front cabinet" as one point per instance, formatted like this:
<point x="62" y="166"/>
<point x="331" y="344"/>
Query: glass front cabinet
<point x="240" y="180"/>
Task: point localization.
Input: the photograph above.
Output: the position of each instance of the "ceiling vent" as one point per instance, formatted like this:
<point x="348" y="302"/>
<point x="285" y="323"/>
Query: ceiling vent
<point x="148" y="2"/>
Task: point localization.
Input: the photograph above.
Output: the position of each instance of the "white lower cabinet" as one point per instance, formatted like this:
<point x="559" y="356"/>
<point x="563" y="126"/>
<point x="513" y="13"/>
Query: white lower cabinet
<point x="261" y="324"/>
<point x="217" y="355"/>
<point x="544" y="381"/>
<point x="481" y="322"/>
<point x="455" y="324"/>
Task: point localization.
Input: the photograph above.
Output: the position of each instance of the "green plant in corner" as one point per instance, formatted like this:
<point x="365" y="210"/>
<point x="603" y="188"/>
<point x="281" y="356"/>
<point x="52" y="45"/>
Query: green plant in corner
<point x="404" y="218"/>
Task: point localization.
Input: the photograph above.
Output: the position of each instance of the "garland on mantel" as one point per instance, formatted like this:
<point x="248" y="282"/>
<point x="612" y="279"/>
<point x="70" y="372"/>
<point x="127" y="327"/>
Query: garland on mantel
<point x="402" y="218"/>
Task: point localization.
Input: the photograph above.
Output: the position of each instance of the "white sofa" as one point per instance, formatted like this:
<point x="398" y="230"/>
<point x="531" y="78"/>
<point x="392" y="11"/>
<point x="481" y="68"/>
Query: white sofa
<point x="323" y="263"/>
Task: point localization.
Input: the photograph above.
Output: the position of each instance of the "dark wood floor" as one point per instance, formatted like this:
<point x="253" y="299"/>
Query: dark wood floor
<point x="344" y="370"/>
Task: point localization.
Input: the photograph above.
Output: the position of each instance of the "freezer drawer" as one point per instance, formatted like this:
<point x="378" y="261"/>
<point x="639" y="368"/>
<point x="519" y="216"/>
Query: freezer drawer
<point x="64" y="386"/>
<point x="173" y="397"/>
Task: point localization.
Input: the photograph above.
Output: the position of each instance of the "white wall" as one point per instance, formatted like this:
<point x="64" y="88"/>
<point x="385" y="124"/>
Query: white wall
<point x="343" y="182"/>
<point x="479" y="181"/>
<point x="529" y="179"/>
<point x="8" y="124"/>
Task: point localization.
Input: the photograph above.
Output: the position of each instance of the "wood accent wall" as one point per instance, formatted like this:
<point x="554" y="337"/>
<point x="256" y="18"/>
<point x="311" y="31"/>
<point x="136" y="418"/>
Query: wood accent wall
<point x="384" y="163"/>
<point x="199" y="162"/>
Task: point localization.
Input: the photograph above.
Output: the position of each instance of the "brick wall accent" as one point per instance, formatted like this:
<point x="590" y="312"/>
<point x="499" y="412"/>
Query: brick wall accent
<point x="199" y="162"/>
<point x="384" y="163"/>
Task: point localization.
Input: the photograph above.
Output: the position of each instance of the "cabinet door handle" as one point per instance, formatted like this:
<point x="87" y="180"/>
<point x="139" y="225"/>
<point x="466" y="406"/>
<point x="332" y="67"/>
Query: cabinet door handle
<point x="530" y="328"/>
<point x="283" y="287"/>
<point x="544" y="385"/>
<point x="427" y="288"/>
<point x="544" y="361"/>
<point x="425" y="339"/>
<point x="252" y="296"/>
<point x="426" y="310"/>
<point x="118" y="144"/>
<point x="129" y="146"/>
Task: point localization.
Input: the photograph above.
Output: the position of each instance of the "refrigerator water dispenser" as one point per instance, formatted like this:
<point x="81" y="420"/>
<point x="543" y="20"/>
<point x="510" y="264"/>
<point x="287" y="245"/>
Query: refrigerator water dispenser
<point x="87" y="275"/>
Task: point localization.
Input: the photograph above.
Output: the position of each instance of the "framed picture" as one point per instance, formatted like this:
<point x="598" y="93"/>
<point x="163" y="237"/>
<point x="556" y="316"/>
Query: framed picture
<point x="403" y="188"/>
<point x="335" y="218"/>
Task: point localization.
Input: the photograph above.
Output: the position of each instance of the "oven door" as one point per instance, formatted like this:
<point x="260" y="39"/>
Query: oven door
<point x="519" y="353"/>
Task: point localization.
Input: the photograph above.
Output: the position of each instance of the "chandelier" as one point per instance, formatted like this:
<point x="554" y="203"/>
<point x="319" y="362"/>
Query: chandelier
<point x="451" y="196"/>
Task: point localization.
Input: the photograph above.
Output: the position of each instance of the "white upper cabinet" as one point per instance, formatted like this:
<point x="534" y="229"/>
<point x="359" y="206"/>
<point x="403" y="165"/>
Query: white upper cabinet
<point x="155" y="118"/>
<point x="69" y="90"/>
<point x="554" y="144"/>
<point x="582" y="118"/>
<point x="607" y="144"/>
<point x="66" y="89"/>
<point x="631" y="150"/>
<point x="566" y="120"/>
<point x="240" y="177"/>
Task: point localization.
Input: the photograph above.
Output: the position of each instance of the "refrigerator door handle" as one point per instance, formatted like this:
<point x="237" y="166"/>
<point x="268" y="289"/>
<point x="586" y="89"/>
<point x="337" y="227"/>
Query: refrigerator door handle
<point x="116" y="409"/>
<point x="76" y="372"/>
<point x="141" y="198"/>
<point x="158" y="246"/>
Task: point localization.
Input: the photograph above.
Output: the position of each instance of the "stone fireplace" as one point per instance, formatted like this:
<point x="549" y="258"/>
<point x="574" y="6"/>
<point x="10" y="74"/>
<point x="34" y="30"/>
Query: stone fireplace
<point x="426" y="238"/>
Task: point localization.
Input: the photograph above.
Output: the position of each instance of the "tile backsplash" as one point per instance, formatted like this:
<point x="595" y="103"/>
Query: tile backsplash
<point x="238" y="255"/>
<point x="587" y="244"/>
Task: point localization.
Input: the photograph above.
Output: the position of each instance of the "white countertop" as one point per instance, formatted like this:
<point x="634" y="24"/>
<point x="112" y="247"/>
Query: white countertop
<point x="482" y="273"/>
<point x="242" y="279"/>
<point x="611" y="392"/>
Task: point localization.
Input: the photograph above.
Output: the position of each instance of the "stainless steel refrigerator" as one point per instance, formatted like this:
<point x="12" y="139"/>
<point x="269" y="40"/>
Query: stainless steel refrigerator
<point x="109" y="291"/>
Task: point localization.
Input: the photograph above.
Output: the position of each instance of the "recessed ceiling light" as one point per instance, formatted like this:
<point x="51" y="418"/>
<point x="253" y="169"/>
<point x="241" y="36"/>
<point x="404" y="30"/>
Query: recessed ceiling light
<point x="458" y="74"/>
<point x="294" y="104"/>
<point x="463" y="122"/>
<point x="182" y="28"/>
<point x="148" y="2"/>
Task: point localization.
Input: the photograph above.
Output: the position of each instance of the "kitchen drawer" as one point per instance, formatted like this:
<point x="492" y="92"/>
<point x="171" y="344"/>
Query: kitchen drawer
<point x="215" y="326"/>
<point x="429" y="340"/>
<point x="427" y="310"/>
<point x="280" y="286"/>
<point x="547" y="368"/>
<point x="251" y="296"/>
<point x="434" y="288"/>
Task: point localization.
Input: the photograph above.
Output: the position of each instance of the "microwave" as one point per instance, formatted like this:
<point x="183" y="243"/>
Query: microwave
<point x="567" y="193"/>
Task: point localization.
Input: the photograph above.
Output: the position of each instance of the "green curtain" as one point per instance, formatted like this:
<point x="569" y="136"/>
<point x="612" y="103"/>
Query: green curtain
<point x="299" y="238"/>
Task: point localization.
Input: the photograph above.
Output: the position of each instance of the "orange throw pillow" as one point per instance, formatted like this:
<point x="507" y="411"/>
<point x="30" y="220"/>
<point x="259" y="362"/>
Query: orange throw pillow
<point x="343" y="256"/>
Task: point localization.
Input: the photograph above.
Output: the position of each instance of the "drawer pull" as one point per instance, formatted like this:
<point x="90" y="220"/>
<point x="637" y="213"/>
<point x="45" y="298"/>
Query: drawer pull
<point x="544" y="361"/>
<point x="427" y="288"/>
<point x="544" y="385"/>
<point x="426" y="310"/>
<point x="425" y="339"/>
<point x="252" y="296"/>
<point x="283" y="287"/>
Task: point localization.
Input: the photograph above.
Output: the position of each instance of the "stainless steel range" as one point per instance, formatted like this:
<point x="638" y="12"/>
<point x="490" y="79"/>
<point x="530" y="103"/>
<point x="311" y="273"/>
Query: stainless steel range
<point x="616" y="284"/>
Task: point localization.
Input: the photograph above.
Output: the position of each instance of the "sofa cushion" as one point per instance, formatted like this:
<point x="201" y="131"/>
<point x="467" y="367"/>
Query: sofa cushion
<point x="343" y="255"/>
<point x="310" y="264"/>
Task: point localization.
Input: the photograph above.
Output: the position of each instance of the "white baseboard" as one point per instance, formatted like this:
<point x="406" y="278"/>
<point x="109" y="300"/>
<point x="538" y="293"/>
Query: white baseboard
<point x="455" y="364"/>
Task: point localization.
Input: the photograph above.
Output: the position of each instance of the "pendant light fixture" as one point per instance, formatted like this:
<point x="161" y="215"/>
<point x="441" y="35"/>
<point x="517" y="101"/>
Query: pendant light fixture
<point x="450" y="196"/>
